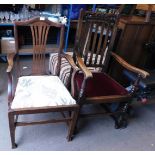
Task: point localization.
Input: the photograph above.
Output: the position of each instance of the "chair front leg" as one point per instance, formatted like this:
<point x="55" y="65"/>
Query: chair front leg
<point x="72" y="124"/>
<point x="12" y="129"/>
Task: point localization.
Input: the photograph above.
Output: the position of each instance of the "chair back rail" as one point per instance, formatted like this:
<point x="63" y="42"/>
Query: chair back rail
<point x="95" y="37"/>
<point x="39" y="30"/>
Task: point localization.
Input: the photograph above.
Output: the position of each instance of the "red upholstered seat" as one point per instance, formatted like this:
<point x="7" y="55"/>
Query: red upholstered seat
<point x="100" y="85"/>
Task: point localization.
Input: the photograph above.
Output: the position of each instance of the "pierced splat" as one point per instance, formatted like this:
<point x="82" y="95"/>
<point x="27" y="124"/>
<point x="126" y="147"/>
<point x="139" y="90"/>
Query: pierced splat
<point x="39" y="30"/>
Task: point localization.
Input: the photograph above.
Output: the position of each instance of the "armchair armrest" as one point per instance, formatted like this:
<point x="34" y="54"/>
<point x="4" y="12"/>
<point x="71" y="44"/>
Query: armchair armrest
<point x="87" y="75"/>
<point x="82" y="66"/>
<point x="70" y="60"/>
<point x="126" y="65"/>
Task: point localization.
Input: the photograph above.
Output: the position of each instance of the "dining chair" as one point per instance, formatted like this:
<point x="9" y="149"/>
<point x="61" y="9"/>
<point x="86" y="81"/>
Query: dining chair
<point x="35" y="91"/>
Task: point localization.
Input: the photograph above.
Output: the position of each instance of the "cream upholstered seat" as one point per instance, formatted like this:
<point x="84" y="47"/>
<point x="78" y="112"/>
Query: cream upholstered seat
<point x="41" y="91"/>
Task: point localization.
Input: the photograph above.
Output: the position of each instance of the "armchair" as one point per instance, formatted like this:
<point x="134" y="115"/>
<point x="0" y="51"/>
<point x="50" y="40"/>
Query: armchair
<point x="35" y="91"/>
<point x="93" y="48"/>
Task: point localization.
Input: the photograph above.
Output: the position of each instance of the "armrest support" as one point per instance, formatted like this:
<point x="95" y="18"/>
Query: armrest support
<point x="10" y="87"/>
<point x="126" y="65"/>
<point x="70" y="60"/>
<point x="10" y="58"/>
<point x="87" y="74"/>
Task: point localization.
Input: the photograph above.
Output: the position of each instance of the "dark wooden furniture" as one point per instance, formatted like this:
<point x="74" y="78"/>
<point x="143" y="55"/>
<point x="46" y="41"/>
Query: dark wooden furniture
<point x="39" y="29"/>
<point x="132" y="35"/>
<point x="94" y="41"/>
<point x="148" y="8"/>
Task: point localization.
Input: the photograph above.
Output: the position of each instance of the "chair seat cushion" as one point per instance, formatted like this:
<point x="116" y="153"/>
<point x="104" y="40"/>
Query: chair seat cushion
<point x="100" y="85"/>
<point x="41" y="91"/>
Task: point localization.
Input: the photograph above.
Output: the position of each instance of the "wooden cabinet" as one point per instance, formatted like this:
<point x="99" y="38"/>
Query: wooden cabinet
<point x="134" y="33"/>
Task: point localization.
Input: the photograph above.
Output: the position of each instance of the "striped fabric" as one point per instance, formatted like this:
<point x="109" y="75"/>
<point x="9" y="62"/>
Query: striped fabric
<point x="66" y="68"/>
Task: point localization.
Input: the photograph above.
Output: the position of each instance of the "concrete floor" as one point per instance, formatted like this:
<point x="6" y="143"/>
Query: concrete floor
<point x="96" y="134"/>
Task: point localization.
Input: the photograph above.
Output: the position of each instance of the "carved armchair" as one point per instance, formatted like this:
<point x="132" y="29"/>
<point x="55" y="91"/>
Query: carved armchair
<point x="93" y="48"/>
